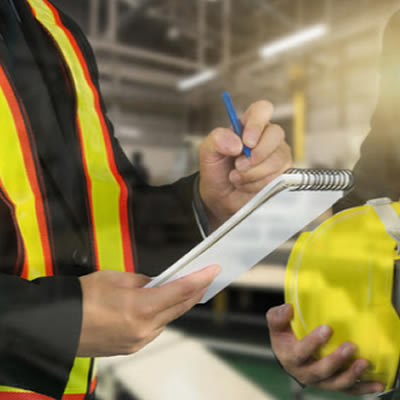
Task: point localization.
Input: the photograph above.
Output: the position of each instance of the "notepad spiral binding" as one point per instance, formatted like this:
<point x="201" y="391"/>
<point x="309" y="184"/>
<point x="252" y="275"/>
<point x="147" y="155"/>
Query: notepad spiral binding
<point x="322" y="179"/>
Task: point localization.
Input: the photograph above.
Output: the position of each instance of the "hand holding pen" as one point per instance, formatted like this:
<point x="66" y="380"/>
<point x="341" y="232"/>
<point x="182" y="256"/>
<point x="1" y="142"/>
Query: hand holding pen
<point x="235" y="163"/>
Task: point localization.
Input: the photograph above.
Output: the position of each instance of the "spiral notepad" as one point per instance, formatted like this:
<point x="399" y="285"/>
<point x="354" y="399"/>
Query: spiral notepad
<point x="276" y="213"/>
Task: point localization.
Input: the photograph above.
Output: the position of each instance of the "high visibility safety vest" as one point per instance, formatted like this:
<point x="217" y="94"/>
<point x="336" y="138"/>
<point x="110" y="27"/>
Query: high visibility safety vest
<point x="21" y="188"/>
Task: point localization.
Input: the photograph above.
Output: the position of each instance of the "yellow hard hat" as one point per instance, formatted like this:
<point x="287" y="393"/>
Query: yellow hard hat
<point x="342" y="275"/>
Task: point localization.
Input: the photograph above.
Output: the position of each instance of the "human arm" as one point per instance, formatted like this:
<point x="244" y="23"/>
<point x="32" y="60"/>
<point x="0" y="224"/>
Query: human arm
<point x="377" y="170"/>
<point x="225" y="185"/>
<point x="35" y="353"/>
<point x="256" y="119"/>
<point x="49" y="302"/>
<point x="228" y="179"/>
<point x="39" y="338"/>
<point x="376" y="175"/>
<point x="120" y="316"/>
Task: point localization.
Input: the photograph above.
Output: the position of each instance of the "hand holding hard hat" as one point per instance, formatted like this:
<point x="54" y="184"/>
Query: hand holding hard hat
<point x="343" y="275"/>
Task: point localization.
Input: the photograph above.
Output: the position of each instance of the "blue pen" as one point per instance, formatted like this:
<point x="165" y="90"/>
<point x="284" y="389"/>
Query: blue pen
<point x="235" y="121"/>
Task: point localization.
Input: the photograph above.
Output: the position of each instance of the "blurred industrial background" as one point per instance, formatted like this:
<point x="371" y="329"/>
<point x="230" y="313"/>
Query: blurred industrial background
<point x="163" y="66"/>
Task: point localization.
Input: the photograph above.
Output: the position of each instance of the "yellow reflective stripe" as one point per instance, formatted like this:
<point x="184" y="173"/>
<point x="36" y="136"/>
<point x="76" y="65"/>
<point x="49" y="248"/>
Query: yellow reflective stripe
<point x="13" y="389"/>
<point x="20" y="184"/>
<point x="78" y="377"/>
<point x="103" y="186"/>
<point x="77" y="383"/>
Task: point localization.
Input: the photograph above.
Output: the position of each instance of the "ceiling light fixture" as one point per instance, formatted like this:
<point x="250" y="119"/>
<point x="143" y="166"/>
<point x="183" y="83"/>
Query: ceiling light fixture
<point x="128" y="132"/>
<point x="197" y="79"/>
<point x="295" y="40"/>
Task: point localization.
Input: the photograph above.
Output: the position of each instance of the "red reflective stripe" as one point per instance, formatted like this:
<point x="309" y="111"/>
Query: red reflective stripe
<point x="37" y="396"/>
<point x="23" y="396"/>
<point x="124" y="214"/>
<point x="74" y="397"/>
<point x="30" y="170"/>
<point x="93" y="384"/>
<point x="33" y="10"/>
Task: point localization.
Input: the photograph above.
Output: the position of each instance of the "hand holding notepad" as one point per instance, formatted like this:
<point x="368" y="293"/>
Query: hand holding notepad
<point x="282" y="208"/>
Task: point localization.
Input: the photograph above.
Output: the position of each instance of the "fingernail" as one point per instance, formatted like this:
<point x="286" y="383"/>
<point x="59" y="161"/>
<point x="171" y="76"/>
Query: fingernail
<point x="251" y="138"/>
<point x="243" y="164"/>
<point x="217" y="270"/>
<point x="324" y="332"/>
<point x="348" y="350"/>
<point x="281" y="310"/>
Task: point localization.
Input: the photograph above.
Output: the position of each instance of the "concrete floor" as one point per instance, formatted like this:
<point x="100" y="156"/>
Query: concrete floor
<point x="179" y="367"/>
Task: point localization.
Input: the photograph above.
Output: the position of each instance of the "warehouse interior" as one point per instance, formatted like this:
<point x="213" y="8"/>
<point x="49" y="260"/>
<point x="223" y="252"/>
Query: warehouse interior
<point x="163" y="66"/>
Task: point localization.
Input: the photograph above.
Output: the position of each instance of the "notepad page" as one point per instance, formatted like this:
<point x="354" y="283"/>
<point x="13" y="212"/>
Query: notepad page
<point x="254" y="238"/>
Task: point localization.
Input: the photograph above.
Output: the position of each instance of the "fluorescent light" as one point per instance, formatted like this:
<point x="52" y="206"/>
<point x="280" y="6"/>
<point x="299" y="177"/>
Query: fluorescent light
<point x="128" y="132"/>
<point x="196" y="80"/>
<point x="292" y="41"/>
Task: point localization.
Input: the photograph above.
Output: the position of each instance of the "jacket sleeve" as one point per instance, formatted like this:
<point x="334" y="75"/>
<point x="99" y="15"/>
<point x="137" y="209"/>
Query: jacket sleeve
<point x="377" y="171"/>
<point x="35" y="353"/>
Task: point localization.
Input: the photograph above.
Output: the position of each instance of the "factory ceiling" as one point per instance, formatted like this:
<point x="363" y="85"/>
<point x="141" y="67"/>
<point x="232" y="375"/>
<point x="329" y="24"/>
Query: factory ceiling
<point x="157" y="43"/>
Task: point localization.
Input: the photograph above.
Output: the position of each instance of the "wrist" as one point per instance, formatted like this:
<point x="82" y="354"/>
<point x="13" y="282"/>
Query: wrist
<point x="216" y="215"/>
<point x="213" y="221"/>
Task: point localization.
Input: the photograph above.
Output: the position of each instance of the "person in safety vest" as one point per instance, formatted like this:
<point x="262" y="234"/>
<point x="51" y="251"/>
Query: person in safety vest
<point x="68" y="201"/>
<point x="376" y="175"/>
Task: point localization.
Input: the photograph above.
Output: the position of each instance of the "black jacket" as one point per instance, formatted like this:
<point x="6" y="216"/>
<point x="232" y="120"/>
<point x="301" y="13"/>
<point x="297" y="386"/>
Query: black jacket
<point x="40" y="320"/>
<point x="377" y="172"/>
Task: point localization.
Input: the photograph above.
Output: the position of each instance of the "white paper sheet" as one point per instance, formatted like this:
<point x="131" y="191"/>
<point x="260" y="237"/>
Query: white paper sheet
<point x="246" y="243"/>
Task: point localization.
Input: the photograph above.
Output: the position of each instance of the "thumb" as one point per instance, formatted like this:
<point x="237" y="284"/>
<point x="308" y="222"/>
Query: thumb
<point x="279" y="318"/>
<point x="139" y="280"/>
<point x="280" y="332"/>
<point x="128" y="280"/>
